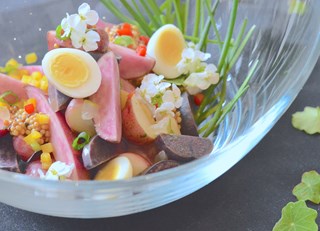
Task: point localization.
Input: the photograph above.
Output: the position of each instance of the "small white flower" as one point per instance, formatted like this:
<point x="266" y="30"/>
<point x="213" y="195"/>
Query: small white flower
<point x="199" y="81"/>
<point x="151" y="86"/>
<point x="87" y="40"/>
<point x="58" y="171"/>
<point x="90" y="17"/>
<point x="173" y="96"/>
<point x="164" y="110"/>
<point x="192" y="60"/>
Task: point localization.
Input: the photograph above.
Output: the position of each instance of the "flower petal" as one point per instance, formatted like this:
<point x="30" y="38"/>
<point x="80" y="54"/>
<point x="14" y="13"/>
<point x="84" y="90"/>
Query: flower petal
<point x="92" y="36"/>
<point x="90" y="46"/>
<point x="83" y="9"/>
<point x="92" y="18"/>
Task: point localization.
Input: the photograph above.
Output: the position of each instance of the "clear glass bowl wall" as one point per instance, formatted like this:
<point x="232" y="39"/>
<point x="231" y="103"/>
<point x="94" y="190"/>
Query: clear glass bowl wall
<point x="287" y="47"/>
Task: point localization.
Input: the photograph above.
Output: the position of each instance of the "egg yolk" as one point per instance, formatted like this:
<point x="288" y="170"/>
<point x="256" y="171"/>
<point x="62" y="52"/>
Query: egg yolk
<point x="69" y="70"/>
<point x="170" y="45"/>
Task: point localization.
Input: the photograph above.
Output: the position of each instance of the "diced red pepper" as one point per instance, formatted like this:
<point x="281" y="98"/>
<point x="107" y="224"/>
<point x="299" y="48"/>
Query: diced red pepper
<point x="126" y="26"/>
<point x="124" y="31"/>
<point x="3" y="132"/>
<point x="144" y="39"/>
<point x="141" y="50"/>
<point x="29" y="108"/>
<point x="198" y="98"/>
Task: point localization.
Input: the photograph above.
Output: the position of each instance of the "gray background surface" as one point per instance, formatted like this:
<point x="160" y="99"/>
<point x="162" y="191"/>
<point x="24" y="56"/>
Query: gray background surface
<point x="248" y="197"/>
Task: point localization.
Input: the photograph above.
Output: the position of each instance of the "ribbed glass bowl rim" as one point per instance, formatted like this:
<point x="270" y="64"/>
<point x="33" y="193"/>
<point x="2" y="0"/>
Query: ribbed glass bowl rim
<point x="27" y="181"/>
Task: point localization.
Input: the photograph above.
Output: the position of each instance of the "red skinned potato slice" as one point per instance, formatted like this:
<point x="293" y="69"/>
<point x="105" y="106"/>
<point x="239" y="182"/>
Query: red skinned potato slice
<point x="61" y="135"/>
<point x="108" y="119"/>
<point x="8" y="83"/>
<point x="132" y="65"/>
<point x="126" y="86"/>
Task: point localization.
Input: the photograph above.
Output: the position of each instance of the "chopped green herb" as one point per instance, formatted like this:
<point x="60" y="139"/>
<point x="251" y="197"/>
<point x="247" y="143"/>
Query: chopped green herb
<point x="309" y="188"/>
<point x="307" y="120"/>
<point x="296" y="216"/>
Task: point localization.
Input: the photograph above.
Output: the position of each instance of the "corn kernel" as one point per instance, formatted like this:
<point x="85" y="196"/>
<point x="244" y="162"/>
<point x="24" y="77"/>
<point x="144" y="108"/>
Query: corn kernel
<point x="31" y="58"/>
<point x="26" y="79"/>
<point x="36" y="75"/>
<point x="43" y="119"/>
<point x="47" y="148"/>
<point x="45" y="160"/>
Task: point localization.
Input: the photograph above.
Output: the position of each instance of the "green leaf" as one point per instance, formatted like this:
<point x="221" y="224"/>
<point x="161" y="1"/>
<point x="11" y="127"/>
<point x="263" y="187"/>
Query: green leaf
<point x="296" y="216"/>
<point x="309" y="188"/>
<point x="307" y="120"/>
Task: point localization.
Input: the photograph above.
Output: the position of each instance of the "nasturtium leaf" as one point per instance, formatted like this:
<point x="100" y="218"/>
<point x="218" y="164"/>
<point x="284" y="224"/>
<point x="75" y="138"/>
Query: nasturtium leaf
<point x="309" y="188"/>
<point x="307" y="120"/>
<point x="296" y="216"/>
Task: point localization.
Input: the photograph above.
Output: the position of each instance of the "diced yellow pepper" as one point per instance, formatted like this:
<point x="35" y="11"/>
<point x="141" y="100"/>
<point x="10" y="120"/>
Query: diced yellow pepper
<point x="35" y="146"/>
<point x="12" y="63"/>
<point x="45" y="160"/>
<point x="43" y="119"/>
<point x="32" y="137"/>
<point x="44" y="84"/>
<point x="26" y="79"/>
<point x="36" y="75"/>
<point x="48" y="147"/>
<point x="31" y="58"/>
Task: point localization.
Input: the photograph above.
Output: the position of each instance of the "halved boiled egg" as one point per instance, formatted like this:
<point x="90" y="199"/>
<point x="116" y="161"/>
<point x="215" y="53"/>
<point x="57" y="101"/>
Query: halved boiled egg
<point x="73" y="72"/>
<point x="166" y="46"/>
<point x="118" y="168"/>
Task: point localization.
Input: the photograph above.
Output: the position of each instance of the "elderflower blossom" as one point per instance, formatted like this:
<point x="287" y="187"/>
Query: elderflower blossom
<point x="199" y="81"/>
<point x="57" y="171"/>
<point x="75" y="26"/>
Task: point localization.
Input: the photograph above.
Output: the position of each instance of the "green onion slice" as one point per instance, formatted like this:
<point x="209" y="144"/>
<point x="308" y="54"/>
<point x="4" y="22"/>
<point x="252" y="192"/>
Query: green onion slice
<point x="81" y="141"/>
<point x="9" y="97"/>
<point x="123" y="40"/>
<point x="58" y="33"/>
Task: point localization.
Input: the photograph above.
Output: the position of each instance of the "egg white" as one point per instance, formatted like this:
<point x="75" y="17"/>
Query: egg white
<point x="162" y="67"/>
<point x="86" y="89"/>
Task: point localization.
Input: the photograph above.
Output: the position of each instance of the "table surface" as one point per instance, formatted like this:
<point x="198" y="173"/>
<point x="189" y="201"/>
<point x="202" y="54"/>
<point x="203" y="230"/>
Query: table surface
<point x="250" y="196"/>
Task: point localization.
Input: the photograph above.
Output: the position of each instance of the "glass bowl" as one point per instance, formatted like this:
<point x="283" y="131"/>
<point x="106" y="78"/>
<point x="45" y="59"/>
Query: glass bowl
<point x="287" y="44"/>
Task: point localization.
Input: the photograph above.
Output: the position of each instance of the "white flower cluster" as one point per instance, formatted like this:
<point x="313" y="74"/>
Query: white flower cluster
<point x="200" y="74"/>
<point x="75" y="26"/>
<point x="57" y="171"/>
<point x="165" y="97"/>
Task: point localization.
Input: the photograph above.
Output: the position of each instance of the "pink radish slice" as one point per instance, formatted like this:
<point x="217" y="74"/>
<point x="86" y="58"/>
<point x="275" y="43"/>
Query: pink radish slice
<point x="61" y="135"/>
<point x="8" y="83"/>
<point x="132" y="65"/>
<point x="23" y="149"/>
<point x="103" y="25"/>
<point x="108" y="119"/>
